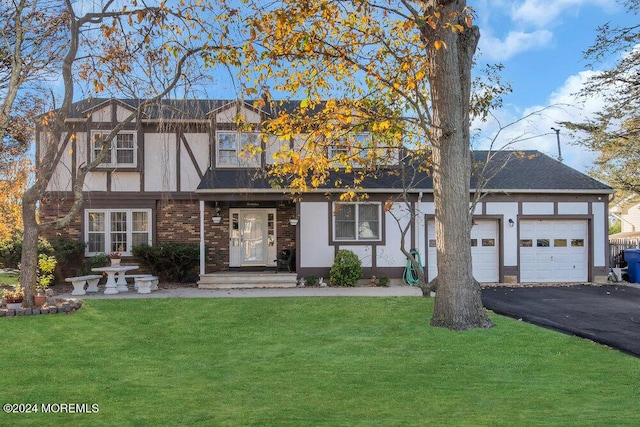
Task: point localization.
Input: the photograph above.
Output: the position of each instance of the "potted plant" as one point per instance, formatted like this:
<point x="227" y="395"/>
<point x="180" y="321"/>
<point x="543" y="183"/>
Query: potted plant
<point x="13" y="298"/>
<point x="115" y="258"/>
<point x="40" y="298"/>
<point x="46" y="266"/>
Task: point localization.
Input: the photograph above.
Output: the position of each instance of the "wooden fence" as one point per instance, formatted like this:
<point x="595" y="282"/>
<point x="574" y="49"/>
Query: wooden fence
<point x="616" y="250"/>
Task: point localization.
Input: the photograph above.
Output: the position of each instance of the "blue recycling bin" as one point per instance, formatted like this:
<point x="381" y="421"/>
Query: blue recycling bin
<point x="632" y="258"/>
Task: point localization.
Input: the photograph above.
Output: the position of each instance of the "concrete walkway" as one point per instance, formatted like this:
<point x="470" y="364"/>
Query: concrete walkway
<point x="190" y="292"/>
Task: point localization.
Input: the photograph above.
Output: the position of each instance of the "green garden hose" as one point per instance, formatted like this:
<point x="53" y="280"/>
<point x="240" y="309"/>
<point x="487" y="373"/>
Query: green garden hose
<point x="410" y="275"/>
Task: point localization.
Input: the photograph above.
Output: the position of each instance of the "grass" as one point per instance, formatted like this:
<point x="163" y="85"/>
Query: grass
<point x="9" y="279"/>
<point x="306" y="361"/>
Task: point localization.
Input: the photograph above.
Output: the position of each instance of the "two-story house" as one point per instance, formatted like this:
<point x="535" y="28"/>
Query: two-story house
<point x="182" y="173"/>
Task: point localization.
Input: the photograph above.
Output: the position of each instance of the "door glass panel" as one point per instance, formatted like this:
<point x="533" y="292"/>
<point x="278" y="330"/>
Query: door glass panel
<point x="488" y="242"/>
<point x="542" y="243"/>
<point x="235" y="230"/>
<point x="253" y="230"/>
<point x="560" y="243"/>
<point x="271" y="237"/>
<point x="526" y="243"/>
<point x="577" y="243"/>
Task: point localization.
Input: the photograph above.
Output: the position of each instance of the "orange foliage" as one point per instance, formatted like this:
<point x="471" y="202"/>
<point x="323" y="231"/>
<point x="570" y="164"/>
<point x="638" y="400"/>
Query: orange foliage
<point x="12" y="186"/>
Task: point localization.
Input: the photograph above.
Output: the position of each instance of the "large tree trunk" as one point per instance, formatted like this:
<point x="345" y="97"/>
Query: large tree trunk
<point x="458" y="304"/>
<point x="29" y="259"/>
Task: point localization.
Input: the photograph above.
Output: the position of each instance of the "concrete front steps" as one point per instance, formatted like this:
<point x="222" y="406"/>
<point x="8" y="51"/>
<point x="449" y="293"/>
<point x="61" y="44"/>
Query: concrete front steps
<point x="244" y="280"/>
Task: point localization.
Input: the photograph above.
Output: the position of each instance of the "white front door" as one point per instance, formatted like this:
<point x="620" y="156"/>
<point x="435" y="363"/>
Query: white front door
<point x="252" y="237"/>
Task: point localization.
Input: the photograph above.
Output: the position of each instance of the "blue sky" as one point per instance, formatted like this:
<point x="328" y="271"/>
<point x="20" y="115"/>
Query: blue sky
<point x="541" y="44"/>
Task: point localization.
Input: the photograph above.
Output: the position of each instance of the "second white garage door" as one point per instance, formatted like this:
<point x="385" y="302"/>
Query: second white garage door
<point x="553" y="251"/>
<point x="484" y="250"/>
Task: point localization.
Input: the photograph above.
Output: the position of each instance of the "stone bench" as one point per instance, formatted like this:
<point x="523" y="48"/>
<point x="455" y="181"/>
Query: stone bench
<point x="135" y="277"/>
<point x="146" y="284"/>
<point x="79" y="282"/>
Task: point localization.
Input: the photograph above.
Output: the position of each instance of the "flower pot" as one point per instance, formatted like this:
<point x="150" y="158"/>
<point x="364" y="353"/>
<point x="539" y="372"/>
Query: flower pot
<point x="39" y="300"/>
<point x="14" y="305"/>
<point x="115" y="261"/>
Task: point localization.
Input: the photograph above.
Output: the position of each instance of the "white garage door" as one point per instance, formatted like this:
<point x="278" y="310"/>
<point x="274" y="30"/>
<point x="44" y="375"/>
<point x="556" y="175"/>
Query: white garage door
<point x="484" y="250"/>
<point x="553" y="251"/>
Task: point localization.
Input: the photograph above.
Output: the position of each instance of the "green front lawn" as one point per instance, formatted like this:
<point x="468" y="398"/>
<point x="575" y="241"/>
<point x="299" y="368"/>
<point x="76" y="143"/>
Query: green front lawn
<point x="306" y="361"/>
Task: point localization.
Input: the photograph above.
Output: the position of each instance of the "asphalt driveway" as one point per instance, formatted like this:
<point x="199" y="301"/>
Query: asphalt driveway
<point x="608" y="314"/>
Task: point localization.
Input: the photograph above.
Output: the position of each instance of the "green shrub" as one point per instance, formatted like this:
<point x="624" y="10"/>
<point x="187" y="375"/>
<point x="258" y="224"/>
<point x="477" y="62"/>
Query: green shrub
<point x="384" y="281"/>
<point x="346" y="269"/>
<point x="68" y="252"/>
<point x="100" y="260"/>
<point x="11" y="250"/>
<point x="312" y="280"/>
<point x="174" y="262"/>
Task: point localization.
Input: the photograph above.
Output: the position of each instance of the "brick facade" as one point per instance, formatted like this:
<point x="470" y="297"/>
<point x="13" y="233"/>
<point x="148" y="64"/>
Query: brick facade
<point x="179" y="221"/>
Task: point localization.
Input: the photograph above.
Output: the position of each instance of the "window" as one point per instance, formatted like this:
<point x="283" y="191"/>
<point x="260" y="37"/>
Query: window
<point x="526" y="243"/>
<point x="542" y="243"/>
<point x="488" y="242"/>
<point x="237" y="149"/>
<point x="358" y="144"/>
<point x="357" y="221"/>
<point x="363" y="143"/>
<point x="560" y="243"/>
<point x="340" y="150"/>
<point x="121" y="152"/>
<point x="114" y="230"/>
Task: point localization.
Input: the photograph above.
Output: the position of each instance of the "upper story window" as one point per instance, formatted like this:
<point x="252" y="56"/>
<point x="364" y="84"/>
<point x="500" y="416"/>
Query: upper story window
<point x="354" y="144"/>
<point x="238" y="149"/>
<point x="122" y="151"/>
<point x="357" y="221"/>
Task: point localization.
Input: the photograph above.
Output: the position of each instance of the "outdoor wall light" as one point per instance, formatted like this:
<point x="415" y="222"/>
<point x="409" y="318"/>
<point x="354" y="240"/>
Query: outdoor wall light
<point x="511" y="223"/>
<point x="217" y="218"/>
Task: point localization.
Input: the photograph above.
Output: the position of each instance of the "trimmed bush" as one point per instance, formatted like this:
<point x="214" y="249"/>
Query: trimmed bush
<point x="100" y="260"/>
<point x="174" y="262"/>
<point x="346" y="269"/>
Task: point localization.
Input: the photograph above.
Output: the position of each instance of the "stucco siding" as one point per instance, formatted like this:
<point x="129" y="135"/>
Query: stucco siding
<point x="537" y="208"/>
<point x="314" y="232"/>
<point x="160" y="162"/>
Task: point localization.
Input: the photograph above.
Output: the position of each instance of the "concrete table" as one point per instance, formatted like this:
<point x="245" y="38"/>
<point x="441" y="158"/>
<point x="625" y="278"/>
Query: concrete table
<point x="112" y="286"/>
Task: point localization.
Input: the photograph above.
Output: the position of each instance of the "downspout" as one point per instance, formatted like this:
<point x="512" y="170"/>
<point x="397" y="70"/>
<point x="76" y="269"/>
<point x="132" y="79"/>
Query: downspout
<point x="202" y="254"/>
<point x="420" y="228"/>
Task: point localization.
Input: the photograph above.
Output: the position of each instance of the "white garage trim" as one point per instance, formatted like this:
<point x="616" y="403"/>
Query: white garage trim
<point x="485" y="250"/>
<point x="554" y="250"/>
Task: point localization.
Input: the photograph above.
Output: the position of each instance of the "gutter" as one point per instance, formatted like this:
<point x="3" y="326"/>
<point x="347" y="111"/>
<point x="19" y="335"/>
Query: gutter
<point x="391" y="190"/>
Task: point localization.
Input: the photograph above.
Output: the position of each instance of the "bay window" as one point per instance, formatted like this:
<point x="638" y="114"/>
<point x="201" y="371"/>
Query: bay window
<point x="116" y="230"/>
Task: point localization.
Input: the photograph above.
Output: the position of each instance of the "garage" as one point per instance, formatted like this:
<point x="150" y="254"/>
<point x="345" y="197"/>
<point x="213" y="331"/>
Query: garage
<point x="484" y="251"/>
<point x="554" y="251"/>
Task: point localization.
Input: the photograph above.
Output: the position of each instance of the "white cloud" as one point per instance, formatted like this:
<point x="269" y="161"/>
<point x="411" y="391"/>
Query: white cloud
<point x="515" y="42"/>
<point x="540" y="13"/>
<point x="530" y="129"/>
